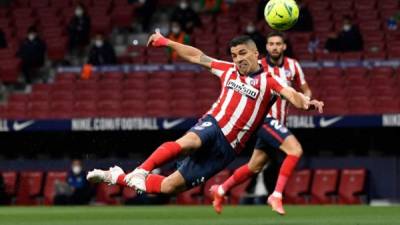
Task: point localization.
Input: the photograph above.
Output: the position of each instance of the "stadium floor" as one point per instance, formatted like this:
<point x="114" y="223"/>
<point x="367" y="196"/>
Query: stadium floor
<point x="189" y="215"/>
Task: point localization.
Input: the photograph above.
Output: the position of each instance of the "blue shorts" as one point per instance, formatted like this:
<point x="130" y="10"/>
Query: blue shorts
<point x="214" y="155"/>
<point x="271" y="134"/>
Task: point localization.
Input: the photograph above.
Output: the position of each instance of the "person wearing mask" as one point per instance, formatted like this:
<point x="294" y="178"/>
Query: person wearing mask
<point x="76" y="180"/>
<point x="348" y="39"/>
<point x="101" y="52"/>
<point x="32" y="53"/>
<point x="79" y="29"/>
<point x="185" y="16"/>
<point x="177" y="35"/>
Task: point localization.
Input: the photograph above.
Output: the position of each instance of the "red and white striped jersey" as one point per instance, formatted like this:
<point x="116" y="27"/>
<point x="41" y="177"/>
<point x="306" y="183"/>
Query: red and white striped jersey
<point x="290" y="73"/>
<point x="243" y="103"/>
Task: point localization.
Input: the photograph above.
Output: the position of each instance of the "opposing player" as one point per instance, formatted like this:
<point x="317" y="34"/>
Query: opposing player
<point x="273" y="133"/>
<point x="246" y="96"/>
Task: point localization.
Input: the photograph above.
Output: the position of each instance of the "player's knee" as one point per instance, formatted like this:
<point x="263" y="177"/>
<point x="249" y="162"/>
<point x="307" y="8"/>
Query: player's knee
<point x="292" y="146"/>
<point x="170" y="186"/>
<point x="255" y="168"/>
<point x="189" y="142"/>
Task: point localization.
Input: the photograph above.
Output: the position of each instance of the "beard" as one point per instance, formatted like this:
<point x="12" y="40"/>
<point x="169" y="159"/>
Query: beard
<point x="276" y="57"/>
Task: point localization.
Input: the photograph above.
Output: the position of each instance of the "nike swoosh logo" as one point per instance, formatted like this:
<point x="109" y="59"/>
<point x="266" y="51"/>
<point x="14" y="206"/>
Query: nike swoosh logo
<point x="328" y="122"/>
<point x="171" y="124"/>
<point x="20" y="126"/>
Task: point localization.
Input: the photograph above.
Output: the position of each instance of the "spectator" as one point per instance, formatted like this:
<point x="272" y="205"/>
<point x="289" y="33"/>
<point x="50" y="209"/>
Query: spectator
<point x="349" y="39"/>
<point x="186" y="17"/>
<point x="3" y="42"/>
<point x="305" y="21"/>
<point x="77" y="190"/>
<point x="258" y="38"/>
<point x="145" y="12"/>
<point x="79" y="29"/>
<point x="102" y="52"/>
<point x="178" y="35"/>
<point x="4" y="198"/>
<point x="213" y="6"/>
<point x="32" y="53"/>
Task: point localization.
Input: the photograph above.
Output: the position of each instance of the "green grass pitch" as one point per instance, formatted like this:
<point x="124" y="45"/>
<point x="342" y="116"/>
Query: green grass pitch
<point x="204" y="215"/>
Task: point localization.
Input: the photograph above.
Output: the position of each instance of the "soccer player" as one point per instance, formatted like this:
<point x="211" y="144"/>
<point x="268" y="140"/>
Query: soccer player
<point x="246" y="94"/>
<point x="273" y="132"/>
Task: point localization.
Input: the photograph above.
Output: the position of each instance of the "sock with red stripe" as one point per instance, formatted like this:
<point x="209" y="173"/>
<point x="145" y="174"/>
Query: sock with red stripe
<point x="153" y="183"/>
<point x="121" y="181"/>
<point x="161" y="155"/>
<point x="288" y="165"/>
<point x="239" y="176"/>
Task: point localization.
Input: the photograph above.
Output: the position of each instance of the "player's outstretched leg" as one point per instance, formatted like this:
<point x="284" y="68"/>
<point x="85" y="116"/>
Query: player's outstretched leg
<point x="108" y="176"/>
<point x="218" y="191"/>
<point x="163" y="154"/>
<point x="294" y="151"/>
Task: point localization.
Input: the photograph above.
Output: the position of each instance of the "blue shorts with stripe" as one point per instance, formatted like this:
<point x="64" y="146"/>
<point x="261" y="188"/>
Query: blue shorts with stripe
<point x="271" y="134"/>
<point x="214" y="155"/>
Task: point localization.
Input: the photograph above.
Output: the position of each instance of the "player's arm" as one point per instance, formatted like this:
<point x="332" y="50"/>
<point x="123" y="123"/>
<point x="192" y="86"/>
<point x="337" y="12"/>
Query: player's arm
<point x="188" y="53"/>
<point x="306" y="90"/>
<point x="297" y="99"/>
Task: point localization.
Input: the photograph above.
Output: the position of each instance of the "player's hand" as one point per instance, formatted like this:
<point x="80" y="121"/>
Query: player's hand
<point x="315" y="104"/>
<point x="157" y="40"/>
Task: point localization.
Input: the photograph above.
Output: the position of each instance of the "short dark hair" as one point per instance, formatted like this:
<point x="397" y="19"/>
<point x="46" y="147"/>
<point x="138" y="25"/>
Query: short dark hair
<point x="276" y="33"/>
<point x="243" y="39"/>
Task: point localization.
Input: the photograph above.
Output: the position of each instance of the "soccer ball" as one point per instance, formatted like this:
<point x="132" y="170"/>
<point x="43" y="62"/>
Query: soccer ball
<point x="281" y="14"/>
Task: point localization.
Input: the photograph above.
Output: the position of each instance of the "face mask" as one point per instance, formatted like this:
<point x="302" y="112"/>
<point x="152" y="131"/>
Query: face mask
<point x="31" y="36"/>
<point x="176" y="30"/>
<point x="346" y="27"/>
<point x="76" y="169"/>
<point x="78" y="12"/>
<point x="250" y="29"/>
<point x="183" y="5"/>
<point x="98" y="43"/>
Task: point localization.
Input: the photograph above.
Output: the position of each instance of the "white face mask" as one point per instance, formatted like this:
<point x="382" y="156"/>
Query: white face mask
<point x="31" y="36"/>
<point x="346" y="27"/>
<point x="176" y="30"/>
<point x="183" y="5"/>
<point x="76" y="169"/>
<point x="78" y="12"/>
<point x="250" y="29"/>
<point x="98" y="43"/>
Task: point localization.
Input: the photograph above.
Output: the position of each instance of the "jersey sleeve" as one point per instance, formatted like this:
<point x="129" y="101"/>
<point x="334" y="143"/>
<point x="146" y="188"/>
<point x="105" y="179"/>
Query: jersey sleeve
<point x="299" y="74"/>
<point x="219" y="67"/>
<point x="276" y="84"/>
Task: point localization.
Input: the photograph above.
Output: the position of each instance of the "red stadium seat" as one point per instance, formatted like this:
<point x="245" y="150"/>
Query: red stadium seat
<point x="10" y="182"/>
<point x="128" y="194"/>
<point x="106" y="194"/>
<point x="385" y="104"/>
<point x="323" y="186"/>
<point x="39" y="3"/>
<point x="355" y="71"/>
<point x="360" y="106"/>
<point x="219" y="178"/>
<point x="298" y="186"/>
<point x="190" y="197"/>
<point x="158" y="94"/>
<point x="9" y="70"/>
<point x="134" y="94"/>
<point x="352" y="182"/>
<point x="381" y="71"/>
<point x="327" y="56"/>
<point x="49" y="186"/>
<point x="30" y="187"/>
<point x="331" y="71"/>
<point x="57" y="48"/>
<point x="342" y="5"/>
<point x="355" y="56"/>
<point x="374" y="55"/>
<point x="122" y="15"/>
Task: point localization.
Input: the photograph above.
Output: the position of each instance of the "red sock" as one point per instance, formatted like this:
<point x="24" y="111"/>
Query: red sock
<point x="286" y="170"/>
<point x="239" y="176"/>
<point x="161" y="155"/>
<point x="153" y="183"/>
<point x="121" y="181"/>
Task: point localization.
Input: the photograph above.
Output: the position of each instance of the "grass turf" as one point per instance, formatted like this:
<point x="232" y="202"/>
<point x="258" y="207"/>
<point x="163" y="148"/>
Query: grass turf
<point x="190" y="215"/>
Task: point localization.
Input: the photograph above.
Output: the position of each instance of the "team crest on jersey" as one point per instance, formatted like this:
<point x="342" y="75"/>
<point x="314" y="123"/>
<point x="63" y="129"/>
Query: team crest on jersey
<point x="288" y="73"/>
<point x="254" y="82"/>
<point x="243" y="88"/>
